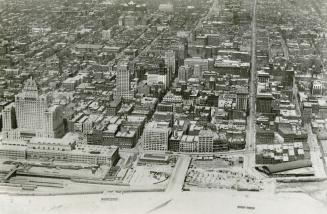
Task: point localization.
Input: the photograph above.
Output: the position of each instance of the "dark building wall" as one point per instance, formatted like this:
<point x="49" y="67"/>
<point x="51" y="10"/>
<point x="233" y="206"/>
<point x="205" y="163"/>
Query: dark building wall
<point x="264" y="105"/>
<point x="173" y="145"/>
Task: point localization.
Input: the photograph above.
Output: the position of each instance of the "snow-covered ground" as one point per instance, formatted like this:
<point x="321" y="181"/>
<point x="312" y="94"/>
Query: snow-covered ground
<point x="222" y="201"/>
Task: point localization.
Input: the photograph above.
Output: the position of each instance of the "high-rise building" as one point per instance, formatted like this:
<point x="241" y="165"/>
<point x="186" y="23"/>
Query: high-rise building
<point x="130" y="21"/>
<point x="170" y="62"/>
<point x="123" y="81"/>
<point x="8" y="118"/>
<point x="200" y="65"/>
<point x="242" y="100"/>
<point x="53" y="126"/>
<point x="106" y="35"/>
<point x="4" y="47"/>
<point x="264" y="102"/>
<point x="154" y="78"/>
<point x="32" y="116"/>
<point x="30" y="107"/>
<point x="184" y="73"/>
<point x="217" y="7"/>
<point x="197" y="71"/>
<point x="121" y="21"/>
<point x="156" y="135"/>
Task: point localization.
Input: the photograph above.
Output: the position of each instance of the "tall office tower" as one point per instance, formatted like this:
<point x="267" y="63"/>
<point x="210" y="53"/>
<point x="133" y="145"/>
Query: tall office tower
<point x="217" y="7"/>
<point x="184" y="73"/>
<point x="156" y="136"/>
<point x="264" y="101"/>
<point x="170" y="62"/>
<point x="8" y="118"/>
<point x="9" y="123"/>
<point x="33" y="115"/>
<point x="242" y="100"/>
<point x="130" y="21"/>
<point x="106" y="35"/>
<point x="53" y="127"/>
<point x="30" y="107"/>
<point x="4" y="47"/>
<point x="123" y="81"/>
<point x="197" y="71"/>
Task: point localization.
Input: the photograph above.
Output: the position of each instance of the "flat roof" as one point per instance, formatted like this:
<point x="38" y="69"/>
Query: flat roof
<point x="158" y="157"/>
<point x="128" y="134"/>
<point x="275" y="168"/>
<point x="13" y="145"/>
<point x="92" y="46"/>
<point x="94" y="150"/>
<point x="112" y="128"/>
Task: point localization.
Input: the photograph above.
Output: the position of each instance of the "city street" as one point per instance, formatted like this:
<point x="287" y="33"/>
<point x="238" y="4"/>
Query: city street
<point x="250" y="134"/>
<point x="315" y="153"/>
<point x="176" y="181"/>
<point x="151" y="106"/>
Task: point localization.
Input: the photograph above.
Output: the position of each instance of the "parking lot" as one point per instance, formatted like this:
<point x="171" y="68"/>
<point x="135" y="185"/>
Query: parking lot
<point x="220" y="172"/>
<point x="148" y="175"/>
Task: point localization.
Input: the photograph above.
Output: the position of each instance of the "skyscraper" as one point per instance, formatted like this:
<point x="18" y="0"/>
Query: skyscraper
<point x="123" y="81"/>
<point x="184" y="73"/>
<point x="242" y="100"/>
<point x="30" y="107"/>
<point x="53" y="126"/>
<point x="217" y="7"/>
<point x="8" y="118"/>
<point x="170" y="62"/>
<point x="106" y="35"/>
<point x="264" y="101"/>
<point x="34" y="116"/>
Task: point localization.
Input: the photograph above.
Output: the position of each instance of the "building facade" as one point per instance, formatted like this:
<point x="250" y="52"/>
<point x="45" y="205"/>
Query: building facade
<point x="123" y="81"/>
<point x="264" y="102"/>
<point x="30" y="107"/>
<point x="156" y="136"/>
<point x="32" y="116"/>
<point x="205" y="141"/>
<point x="66" y="149"/>
<point x="242" y="101"/>
<point x="170" y="62"/>
<point x="184" y="73"/>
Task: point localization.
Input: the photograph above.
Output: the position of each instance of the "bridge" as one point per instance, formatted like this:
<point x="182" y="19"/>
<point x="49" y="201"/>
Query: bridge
<point x="11" y="173"/>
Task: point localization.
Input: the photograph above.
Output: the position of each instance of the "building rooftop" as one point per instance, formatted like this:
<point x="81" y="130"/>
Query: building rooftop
<point x="95" y="150"/>
<point x="112" y="128"/>
<point x="127" y="134"/>
<point x="68" y="139"/>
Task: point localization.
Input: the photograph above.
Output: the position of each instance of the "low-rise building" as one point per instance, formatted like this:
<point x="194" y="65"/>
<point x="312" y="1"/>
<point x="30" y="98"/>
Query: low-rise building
<point x="66" y="149"/>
